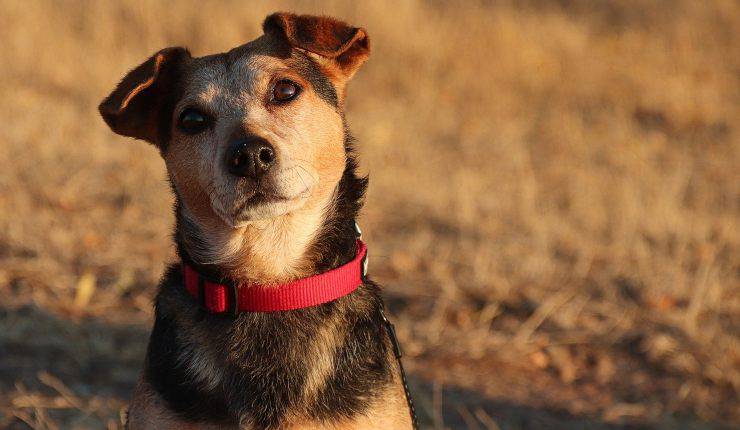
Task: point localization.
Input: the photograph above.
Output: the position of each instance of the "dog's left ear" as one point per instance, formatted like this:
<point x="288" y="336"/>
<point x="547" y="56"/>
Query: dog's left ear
<point x="341" y="48"/>
<point x="134" y="106"/>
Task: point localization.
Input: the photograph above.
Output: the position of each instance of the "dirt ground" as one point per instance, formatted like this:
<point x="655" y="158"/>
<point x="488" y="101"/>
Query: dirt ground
<point x="554" y="205"/>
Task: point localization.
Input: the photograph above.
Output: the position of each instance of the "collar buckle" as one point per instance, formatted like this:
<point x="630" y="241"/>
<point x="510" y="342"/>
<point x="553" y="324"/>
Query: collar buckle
<point x="202" y="291"/>
<point x="232" y="290"/>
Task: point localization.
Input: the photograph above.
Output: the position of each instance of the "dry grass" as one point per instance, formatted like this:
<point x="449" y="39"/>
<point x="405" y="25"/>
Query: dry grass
<point x="555" y="192"/>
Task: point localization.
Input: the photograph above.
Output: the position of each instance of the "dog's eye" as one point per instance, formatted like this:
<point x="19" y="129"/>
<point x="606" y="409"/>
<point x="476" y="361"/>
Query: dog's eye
<point x="285" y="90"/>
<point x="192" y="121"/>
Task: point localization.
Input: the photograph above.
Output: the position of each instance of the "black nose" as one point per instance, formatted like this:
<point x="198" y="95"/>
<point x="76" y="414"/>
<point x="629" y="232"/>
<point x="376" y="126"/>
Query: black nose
<point x="250" y="157"/>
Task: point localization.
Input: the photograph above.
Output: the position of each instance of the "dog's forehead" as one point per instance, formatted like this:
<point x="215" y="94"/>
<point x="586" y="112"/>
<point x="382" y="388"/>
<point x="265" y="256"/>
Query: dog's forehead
<point x="245" y="71"/>
<point x="234" y="73"/>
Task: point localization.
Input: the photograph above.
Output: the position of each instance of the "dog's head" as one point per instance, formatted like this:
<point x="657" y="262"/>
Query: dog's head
<point x="253" y="133"/>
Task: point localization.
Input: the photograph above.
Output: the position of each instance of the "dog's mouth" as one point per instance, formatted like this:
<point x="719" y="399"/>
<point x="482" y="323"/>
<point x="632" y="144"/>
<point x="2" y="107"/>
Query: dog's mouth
<point x="260" y="198"/>
<point x="264" y="203"/>
<point x="243" y="201"/>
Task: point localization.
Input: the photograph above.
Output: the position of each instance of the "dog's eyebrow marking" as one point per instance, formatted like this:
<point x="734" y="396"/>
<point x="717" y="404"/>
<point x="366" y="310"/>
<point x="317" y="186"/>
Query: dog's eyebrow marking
<point x="210" y="93"/>
<point x="311" y="72"/>
<point x="244" y="76"/>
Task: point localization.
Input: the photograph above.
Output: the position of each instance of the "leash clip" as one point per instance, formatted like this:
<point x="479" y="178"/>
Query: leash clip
<point x="364" y="267"/>
<point x="358" y="235"/>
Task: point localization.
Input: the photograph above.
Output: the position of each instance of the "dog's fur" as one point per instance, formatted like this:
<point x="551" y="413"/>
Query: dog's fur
<point x="330" y="366"/>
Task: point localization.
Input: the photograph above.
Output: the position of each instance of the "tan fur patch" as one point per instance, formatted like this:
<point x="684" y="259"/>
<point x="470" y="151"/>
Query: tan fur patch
<point x="389" y="411"/>
<point x="323" y="350"/>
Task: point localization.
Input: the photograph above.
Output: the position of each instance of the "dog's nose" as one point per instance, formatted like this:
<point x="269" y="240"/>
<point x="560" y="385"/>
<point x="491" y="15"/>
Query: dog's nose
<point x="250" y="157"/>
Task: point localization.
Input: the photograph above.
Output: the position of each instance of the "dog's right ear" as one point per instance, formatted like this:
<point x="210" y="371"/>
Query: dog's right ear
<point x="133" y="108"/>
<point x="341" y="47"/>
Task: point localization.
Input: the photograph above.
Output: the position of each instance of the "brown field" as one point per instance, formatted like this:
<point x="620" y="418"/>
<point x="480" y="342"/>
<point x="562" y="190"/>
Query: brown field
<point x="554" y="205"/>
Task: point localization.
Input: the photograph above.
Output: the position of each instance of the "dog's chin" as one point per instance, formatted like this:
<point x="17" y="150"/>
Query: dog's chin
<point x="262" y="207"/>
<point x="267" y="208"/>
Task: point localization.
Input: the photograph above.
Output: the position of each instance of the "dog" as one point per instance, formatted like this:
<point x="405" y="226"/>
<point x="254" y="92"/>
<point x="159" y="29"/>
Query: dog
<point x="268" y="320"/>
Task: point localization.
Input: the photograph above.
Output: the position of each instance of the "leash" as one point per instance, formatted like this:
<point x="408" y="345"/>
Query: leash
<point x="391" y="329"/>
<point x="397" y="352"/>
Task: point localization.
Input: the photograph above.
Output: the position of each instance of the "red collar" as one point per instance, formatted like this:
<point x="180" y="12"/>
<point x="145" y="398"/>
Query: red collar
<point x="297" y="294"/>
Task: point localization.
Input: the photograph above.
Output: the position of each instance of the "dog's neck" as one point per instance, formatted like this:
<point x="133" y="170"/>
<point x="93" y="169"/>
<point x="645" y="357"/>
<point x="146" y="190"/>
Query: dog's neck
<point x="316" y="238"/>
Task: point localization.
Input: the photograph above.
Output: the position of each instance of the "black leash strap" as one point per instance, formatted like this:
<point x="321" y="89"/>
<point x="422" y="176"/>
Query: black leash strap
<point x="394" y="341"/>
<point x="397" y="352"/>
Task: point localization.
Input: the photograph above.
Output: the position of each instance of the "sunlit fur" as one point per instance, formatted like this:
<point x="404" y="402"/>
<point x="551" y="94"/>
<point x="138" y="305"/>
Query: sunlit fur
<point x="266" y="240"/>
<point x="328" y="366"/>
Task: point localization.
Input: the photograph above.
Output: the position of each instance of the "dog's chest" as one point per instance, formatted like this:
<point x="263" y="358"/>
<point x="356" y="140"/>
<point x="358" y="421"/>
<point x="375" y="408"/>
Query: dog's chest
<point x="261" y="369"/>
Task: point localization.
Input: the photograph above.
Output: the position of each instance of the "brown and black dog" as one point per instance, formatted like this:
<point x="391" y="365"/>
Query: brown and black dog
<point x="260" y="161"/>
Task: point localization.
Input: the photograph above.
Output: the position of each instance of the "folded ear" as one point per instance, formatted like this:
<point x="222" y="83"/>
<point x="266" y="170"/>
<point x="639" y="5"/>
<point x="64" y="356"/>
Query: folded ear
<point x="133" y="108"/>
<point x="342" y="47"/>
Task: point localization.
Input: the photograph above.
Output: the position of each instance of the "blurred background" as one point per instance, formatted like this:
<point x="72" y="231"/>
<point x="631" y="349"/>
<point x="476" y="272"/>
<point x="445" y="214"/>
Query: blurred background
<point x="554" y="205"/>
